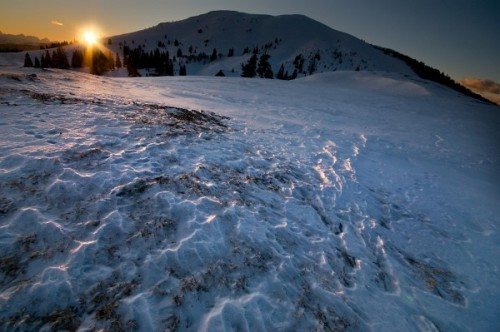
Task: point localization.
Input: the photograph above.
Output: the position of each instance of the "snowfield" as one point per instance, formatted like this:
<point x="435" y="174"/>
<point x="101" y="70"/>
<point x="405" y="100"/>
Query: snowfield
<point x="341" y="201"/>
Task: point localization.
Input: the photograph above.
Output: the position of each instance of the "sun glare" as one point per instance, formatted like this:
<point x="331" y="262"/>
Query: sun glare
<point x="90" y="37"/>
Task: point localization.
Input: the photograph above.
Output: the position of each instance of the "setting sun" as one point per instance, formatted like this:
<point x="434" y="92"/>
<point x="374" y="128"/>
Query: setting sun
<point x="90" y="37"/>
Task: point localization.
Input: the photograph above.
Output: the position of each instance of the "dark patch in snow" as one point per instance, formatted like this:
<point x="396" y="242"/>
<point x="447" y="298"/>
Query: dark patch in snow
<point x="48" y="98"/>
<point x="178" y="121"/>
<point x="6" y="205"/>
<point x="437" y="280"/>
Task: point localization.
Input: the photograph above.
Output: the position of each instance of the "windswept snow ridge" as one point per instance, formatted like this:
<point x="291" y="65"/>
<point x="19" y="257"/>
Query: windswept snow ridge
<point x="329" y="203"/>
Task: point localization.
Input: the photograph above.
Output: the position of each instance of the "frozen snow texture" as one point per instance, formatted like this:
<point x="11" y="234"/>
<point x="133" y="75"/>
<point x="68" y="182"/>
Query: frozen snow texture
<point x="345" y="201"/>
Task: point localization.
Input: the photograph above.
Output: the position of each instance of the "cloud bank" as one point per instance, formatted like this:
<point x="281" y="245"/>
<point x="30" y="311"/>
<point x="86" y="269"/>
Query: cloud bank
<point x="55" y="22"/>
<point x="486" y="88"/>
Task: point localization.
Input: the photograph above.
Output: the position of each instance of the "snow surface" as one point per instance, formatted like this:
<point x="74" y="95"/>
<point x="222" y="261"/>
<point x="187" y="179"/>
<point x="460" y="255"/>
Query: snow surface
<point x="342" y="201"/>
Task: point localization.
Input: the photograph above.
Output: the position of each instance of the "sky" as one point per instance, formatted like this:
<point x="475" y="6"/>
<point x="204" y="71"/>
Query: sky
<point x="459" y="37"/>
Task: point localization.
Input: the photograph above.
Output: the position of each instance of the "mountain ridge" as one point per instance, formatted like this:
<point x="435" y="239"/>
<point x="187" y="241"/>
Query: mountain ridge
<point x="286" y="37"/>
<point x="21" y="39"/>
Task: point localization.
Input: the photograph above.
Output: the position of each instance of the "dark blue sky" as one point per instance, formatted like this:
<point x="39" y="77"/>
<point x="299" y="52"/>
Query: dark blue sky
<point x="459" y="37"/>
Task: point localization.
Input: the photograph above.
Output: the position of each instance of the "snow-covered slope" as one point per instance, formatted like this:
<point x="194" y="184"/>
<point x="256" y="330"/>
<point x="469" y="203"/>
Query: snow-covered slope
<point x="286" y="37"/>
<point x="342" y="201"/>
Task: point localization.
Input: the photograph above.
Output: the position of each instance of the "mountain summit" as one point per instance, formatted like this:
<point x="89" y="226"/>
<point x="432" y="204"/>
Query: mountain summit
<point x="297" y="42"/>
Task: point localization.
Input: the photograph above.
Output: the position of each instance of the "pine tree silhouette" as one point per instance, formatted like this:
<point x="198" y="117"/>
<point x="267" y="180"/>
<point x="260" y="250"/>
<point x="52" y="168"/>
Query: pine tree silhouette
<point x="48" y="60"/>
<point x="170" y="68"/>
<point x="311" y="68"/>
<point x="27" y="61"/>
<point x="264" y="69"/>
<point x="281" y="73"/>
<point x="100" y="62"/>
<point x="118" y="62"/>
<point x="59" y="59"/>
<point x="249" y="69"/>
<point x="182" y="70"/>
<point x="77" y="59"/>
<point x="213" y="57"/>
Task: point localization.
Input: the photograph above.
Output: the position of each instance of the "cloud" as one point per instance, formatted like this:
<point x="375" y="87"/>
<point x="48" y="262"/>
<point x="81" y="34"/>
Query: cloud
<point x="55" y="22"/>
<point x="486" y="88"/>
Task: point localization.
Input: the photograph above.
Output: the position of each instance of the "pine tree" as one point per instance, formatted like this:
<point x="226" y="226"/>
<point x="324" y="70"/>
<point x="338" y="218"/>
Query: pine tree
<point x="182" y="70"/>
<point x="59" y="59"/>
<point x="118" y="62"/>
<point x="111" y="61"/>
<point x="48" y="60"/>
<point x="220" y="73"/>
<point x="311" y="68"/>
<point x="100" y="63"/>
<point x="170" y="68"/>
<point x="230" y="53"/>
<point x="281" y="73"/>
<point x="37" y="62"/>
<point x="294" y="75"/>
<point x="264" y="68"/>
<point x="249" y="69"/>
<point x="299" y="63"/>
<point x="77" y="59"/>
<point x="63" y="58"/>
<point x="27" y="61"/>
<point x="161" y="63"/>
<point x="213" y="57"/>
<point x="179" y="53"/>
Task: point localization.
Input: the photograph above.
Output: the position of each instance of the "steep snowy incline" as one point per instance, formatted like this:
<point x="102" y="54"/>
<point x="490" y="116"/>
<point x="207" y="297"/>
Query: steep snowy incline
<point x="342" y="201"/>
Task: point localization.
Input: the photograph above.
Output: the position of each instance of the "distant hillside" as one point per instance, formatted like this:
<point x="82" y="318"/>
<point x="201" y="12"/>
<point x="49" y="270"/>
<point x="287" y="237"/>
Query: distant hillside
<point x="21" y="39"/>
<point x="297" y="42"/>
<point x="426" y="72"/>
<point x="19" y="43"/>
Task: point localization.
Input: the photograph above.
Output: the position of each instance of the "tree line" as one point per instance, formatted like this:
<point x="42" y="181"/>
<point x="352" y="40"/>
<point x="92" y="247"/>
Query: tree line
<point x="98" y="61"/>
<point x="163" y="64"/>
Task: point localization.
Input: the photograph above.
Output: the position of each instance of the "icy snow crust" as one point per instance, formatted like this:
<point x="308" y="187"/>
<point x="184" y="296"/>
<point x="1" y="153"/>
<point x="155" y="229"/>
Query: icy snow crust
<point x="344" y="201"/>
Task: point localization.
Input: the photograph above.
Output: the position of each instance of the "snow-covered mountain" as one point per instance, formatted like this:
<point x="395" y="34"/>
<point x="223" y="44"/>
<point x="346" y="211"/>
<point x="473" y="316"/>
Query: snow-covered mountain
<point x="283" y="37"/>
